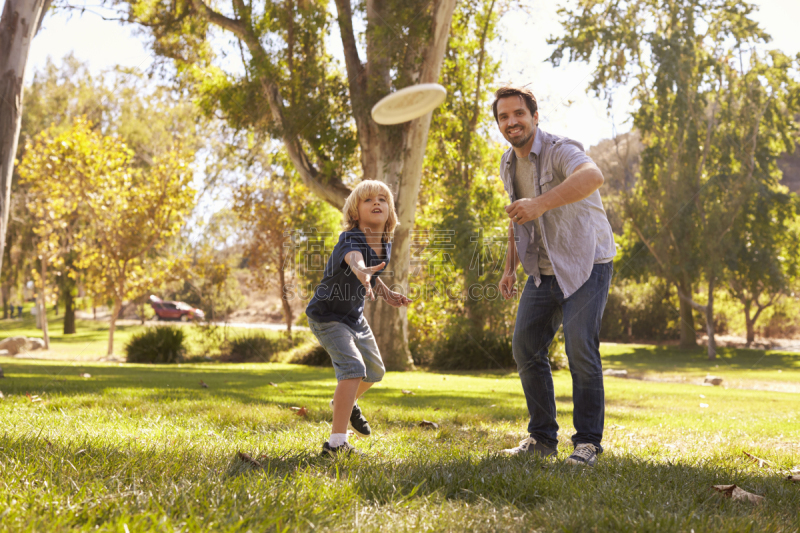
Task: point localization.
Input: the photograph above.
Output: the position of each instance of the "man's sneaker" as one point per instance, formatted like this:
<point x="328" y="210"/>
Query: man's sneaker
<point x="359" y="423"/>
<point x="344" y="449"/>
<point x="584" y="454"/>
<point x="529" y="445"/>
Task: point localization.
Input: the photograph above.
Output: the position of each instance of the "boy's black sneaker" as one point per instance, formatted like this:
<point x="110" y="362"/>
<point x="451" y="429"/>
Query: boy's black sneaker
<point x="359" y="423"/>
<point x="344" y="449"/>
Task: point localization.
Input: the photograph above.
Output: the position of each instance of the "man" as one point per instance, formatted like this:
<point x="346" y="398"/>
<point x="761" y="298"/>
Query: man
<point x="559" y="231"/>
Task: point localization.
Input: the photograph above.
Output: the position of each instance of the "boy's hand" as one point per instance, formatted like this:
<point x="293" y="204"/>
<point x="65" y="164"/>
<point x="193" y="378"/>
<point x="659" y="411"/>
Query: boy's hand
<point x="395" y="299"/>
<point x="364" y="275"/>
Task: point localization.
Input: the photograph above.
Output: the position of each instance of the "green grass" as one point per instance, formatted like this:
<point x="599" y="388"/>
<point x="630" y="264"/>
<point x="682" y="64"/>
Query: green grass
<point x="739" y="367"/>
<point x="90" y="342"/>
<point x="148" y="448"/>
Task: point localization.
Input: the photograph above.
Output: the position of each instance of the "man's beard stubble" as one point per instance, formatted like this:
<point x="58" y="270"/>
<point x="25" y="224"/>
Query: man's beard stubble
<point x="522" y="141"/>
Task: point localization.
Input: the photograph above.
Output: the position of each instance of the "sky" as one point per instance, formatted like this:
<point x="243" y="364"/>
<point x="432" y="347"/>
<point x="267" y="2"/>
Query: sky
<point x="565" y="106"/>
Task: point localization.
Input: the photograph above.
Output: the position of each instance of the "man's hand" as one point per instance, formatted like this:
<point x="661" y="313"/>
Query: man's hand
<point x="525" y="210"/>
<point x="508" y="285"/>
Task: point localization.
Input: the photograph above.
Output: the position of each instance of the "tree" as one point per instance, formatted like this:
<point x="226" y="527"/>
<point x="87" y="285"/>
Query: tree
<point x="461" y="202"/>
<point x="764" y="261"/>
<point x="272" y="204"/>
<point x="132" y="211"/>
<point x="292" y="89"/>
<point x="714" y="112"/>
<point x="117" y="101"/>
<point x="19" y="23"/>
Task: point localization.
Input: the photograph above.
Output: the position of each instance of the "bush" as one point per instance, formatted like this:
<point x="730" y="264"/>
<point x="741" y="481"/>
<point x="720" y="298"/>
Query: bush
<point x="648" y="311"/>
<point x="462" y="350"/>
<point x="315" y="355"/>
<point x="158" y="345"/>
<point x="257" y="346"/>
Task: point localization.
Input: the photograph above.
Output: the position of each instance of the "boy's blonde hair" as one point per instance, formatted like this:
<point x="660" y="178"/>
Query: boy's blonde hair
<point x="369" y="189"/>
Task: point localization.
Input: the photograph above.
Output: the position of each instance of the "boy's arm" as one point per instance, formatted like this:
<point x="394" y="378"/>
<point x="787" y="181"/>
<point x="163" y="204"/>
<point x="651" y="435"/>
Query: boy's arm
<point x="395" y="299"/>
<point x="355" y="261"/>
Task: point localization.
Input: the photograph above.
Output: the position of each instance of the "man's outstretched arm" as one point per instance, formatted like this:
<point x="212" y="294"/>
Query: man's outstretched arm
<point x="586" y="179"/>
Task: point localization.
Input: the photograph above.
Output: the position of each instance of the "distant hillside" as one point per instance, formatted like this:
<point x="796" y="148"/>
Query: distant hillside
<point x="618" y="160"/>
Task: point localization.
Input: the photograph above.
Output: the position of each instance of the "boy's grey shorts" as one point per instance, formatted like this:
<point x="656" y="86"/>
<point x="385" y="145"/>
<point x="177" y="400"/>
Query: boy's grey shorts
<point x="353" y="350"/>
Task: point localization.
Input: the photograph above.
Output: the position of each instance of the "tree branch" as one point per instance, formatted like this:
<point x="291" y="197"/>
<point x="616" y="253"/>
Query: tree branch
<point x="355" y="68"/>
<point x="329" y="188"/>
<point x="235" y="26"/>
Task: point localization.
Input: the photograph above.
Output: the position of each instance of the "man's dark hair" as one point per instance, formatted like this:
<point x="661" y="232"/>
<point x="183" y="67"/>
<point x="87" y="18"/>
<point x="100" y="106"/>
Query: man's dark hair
<point x="511" y="90"/>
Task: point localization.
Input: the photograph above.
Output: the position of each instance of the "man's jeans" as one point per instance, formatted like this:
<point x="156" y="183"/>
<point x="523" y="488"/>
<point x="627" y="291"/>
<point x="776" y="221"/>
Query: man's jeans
<point x="541" y="311"/>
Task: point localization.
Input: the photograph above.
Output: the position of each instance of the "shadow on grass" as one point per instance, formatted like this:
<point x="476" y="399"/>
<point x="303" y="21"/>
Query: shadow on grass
<point x="622" y="493"/>
<point x="255" y="384"/>
<point x="669" y="358"/>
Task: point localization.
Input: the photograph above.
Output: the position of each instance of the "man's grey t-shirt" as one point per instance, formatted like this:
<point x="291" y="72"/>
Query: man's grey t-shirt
<point x="525" y="187"/>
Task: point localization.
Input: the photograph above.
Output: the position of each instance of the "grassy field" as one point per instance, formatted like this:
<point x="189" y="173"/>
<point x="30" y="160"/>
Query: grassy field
<point x="90" y="342"/>
<point x="138" y="448"/>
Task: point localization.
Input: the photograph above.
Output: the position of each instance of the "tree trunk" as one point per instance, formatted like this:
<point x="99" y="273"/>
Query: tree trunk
<point x="749" y="324"/>
<point x="43" y="305"/>
<point x="712" y="343"/>
<point x="112" y="326"/>
<point x="19" y="23"/>
<point x="390" y="324"/>
<point x="6" y="290"/>
<point x="287" y="309"/>
<point x="69" y="312"/>
<point x="687" y="328"/>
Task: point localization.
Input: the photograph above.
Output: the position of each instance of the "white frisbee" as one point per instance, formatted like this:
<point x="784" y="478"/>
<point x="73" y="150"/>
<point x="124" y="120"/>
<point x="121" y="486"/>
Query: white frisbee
<point x="408" y="103"/>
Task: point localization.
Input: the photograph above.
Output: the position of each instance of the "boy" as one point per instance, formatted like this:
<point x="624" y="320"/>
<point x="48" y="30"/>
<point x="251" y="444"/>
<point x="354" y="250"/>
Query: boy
<point x="336" y="312"/>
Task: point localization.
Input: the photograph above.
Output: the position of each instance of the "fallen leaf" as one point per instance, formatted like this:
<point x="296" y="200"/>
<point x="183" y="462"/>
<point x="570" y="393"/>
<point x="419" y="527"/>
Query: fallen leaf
<point x="761" y="462"/>
<point x="35" y="398"/>
<point x="86" y="375"/>
<point x="436" y="408"/>
<point x="735" y="493"/>
<point x="428" y="424"/>
<point x="203" y="384"/>
<point x="796" y="479"/>
<point x="301" y="411"/>
<point x="406" y="391"/>
<point x="249" y="460"/>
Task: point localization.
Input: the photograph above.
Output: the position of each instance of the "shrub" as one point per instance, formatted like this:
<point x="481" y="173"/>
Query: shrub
<point x="162" y="344"/>
<point x="314" y="355"/>
<point x="646" y="310"/>
<point x="465" y="350"/>
<point x="258" y="346"/>
<point x="462" y="349"/>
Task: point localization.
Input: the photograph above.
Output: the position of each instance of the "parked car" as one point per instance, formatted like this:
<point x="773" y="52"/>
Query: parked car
<point x="175" y="310"/>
